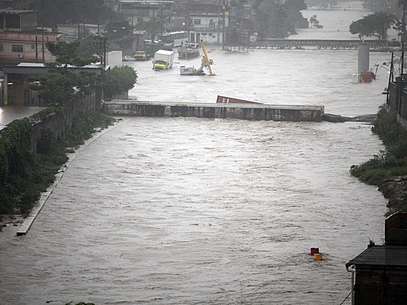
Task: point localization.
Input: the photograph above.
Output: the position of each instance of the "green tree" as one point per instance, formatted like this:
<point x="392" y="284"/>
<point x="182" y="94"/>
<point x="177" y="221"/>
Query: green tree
<point x="294" y="15"/>
<point x="373" y="25"/>
<point x="63" y="84"/>
<point x="78" y="53"/>
<point x="59" y="86"/>
<point x="296" y="5"/>
<point x="119" y="80"/>
<point x="271" y="19"/>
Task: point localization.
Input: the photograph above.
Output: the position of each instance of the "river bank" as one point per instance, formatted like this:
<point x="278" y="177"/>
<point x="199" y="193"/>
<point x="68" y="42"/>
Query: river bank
<point x="32" y="151"/>
<point x="388" y="168"/>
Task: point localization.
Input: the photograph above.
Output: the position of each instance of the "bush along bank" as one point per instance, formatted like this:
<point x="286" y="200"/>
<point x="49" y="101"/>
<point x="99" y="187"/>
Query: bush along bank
<point x="33" y="149"/>
<point x="388" y="169"/>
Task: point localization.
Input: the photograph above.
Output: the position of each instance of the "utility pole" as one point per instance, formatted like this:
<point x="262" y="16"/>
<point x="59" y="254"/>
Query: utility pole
<point x="391" y="79"/>
<point x="403" y="38"/>
<point x="104" y="52"/>
<point x="42" y="34"/>
<point x="224" y="9"/>
<point x="43" y="44"/>
<point x="161" y="20"/>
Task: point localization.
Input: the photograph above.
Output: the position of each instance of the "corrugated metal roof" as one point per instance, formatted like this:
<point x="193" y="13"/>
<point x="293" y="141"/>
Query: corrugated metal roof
<point x="394" y="256"/>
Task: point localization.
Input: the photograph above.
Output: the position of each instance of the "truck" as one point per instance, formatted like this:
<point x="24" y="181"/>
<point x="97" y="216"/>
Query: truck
<point x="163" y="60"/>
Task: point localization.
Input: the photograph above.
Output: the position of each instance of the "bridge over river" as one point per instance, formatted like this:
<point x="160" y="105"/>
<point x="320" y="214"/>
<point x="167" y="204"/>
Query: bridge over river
<point x="325" y="44"/>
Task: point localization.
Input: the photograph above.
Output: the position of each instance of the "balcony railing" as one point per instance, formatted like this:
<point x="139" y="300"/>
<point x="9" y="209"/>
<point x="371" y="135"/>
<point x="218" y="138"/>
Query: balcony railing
<point x="200" y="28"/>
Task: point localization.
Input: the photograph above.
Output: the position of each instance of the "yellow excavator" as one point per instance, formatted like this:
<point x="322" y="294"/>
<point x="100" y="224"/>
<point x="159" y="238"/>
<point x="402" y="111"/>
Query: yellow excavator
<point x="206" y="62"/>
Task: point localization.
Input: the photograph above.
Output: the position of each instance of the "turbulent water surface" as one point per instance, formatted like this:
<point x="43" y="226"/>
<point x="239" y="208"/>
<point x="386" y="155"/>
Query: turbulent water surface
<point x="196" y="211"/>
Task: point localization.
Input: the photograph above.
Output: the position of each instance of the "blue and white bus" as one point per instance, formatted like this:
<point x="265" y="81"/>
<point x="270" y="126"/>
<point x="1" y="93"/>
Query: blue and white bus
<point x="177" y="39"/>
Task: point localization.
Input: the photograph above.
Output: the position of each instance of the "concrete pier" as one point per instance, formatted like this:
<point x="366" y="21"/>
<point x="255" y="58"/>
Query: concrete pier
<point x="256" y="112"/>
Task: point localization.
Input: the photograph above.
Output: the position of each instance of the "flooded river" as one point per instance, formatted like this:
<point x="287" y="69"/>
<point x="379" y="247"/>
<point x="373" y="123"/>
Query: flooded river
<point x="197" y="211"/>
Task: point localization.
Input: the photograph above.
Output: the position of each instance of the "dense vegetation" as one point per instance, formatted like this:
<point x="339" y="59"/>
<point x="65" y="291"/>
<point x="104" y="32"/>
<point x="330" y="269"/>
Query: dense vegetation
<point x="275" y="19"/>
<point x="389" y="163"/>
<point x="78" y="53"/>
<point x="373" y="25"/>
<point x="25" y="174"/>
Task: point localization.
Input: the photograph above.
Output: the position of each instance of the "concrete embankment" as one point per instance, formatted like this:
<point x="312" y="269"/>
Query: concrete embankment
<point x="258" y="112"/>
<point x="30" y="219"/>
<point x="34" y="148"/>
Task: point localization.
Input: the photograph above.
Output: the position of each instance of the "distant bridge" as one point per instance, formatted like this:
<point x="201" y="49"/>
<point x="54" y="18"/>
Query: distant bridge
<point x="324" y="44"/>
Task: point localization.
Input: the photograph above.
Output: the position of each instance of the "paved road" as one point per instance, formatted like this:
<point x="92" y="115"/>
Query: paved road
<point x="11" y="113"/>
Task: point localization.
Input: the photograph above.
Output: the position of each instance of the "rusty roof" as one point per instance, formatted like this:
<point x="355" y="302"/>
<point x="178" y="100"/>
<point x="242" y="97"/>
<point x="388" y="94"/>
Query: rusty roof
<point x="381" y="256"/>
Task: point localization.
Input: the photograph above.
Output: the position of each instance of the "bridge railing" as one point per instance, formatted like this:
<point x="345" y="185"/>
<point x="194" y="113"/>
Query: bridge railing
<point x="322" y="43"/>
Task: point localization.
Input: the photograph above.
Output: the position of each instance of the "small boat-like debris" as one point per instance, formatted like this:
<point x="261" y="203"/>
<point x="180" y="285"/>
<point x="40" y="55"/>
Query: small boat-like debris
<point x="191" y="71"/>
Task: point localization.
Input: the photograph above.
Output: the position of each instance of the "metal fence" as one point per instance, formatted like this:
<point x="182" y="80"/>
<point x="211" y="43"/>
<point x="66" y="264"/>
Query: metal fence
<point x="397" y="99"/>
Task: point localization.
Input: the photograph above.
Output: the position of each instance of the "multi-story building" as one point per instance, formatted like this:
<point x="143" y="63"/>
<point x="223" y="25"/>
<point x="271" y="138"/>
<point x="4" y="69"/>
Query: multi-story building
<point x="144" y="11"/>
<point x="241" y="25"/>
<point x="21" y="40"/>
<point x="206" y="22"/>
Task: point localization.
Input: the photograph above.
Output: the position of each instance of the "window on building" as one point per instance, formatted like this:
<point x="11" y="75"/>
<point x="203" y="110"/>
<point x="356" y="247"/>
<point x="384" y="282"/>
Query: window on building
<point x="212" y="24"/>
<point x="17" y="48"/>
<point x="12" y="21"/>
<point x="1" y="47"/>
<point x="197" y="21"/>
<point x="33" y="47"/>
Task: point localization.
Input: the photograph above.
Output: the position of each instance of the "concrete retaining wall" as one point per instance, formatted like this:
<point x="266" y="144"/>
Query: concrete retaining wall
<point x="232" y="111"/>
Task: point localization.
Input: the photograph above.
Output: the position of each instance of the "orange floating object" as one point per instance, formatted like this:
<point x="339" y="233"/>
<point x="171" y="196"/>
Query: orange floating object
<point x="318" y="257"/>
